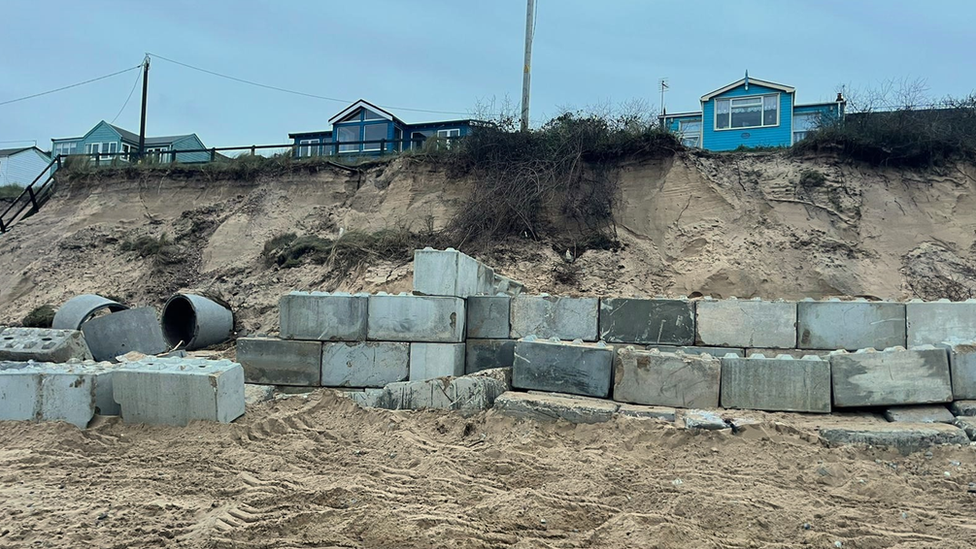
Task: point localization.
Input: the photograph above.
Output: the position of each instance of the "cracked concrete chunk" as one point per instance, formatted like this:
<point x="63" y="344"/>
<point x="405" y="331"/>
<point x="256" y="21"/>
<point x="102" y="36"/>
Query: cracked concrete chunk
<point x="549" y="407"/>
<point x="919" y="414"/>
<point x="906" y="437"/>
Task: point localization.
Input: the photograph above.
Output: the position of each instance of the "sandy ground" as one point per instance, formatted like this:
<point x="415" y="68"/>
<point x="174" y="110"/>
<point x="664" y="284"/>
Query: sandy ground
<point x="321" y="472"/>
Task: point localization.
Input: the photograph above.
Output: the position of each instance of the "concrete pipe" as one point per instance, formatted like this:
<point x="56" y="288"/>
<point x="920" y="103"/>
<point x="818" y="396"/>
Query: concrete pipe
<point x="79" y="309"/>
<point x="195" y="321"/>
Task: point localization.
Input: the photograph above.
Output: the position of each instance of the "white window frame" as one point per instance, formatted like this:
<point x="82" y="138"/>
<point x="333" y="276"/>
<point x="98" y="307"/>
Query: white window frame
<point x="337" y="131"/>
<point x="366" y="117"/>
<point x="377" y="145"/>
<point x="448" y="135"/>
<point x="157" y="153"/>
<point x="126" y="151"/>
<point x="684" y="135"/>
<point x="305" y="147"/>
<point x="66" y="148"/>
<point x="731" y="100"/>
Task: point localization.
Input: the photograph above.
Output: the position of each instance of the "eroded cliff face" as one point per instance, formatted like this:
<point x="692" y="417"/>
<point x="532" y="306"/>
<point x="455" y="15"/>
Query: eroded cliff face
<point x="750" y="225"/>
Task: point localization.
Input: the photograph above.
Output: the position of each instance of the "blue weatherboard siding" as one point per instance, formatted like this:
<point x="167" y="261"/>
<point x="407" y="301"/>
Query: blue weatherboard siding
<point x="190" y="143"/>
<point x="731" y="139"/>
<point x="106" y="135"/>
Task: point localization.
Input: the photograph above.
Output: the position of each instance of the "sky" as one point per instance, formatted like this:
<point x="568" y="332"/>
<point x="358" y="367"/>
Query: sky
<point x="448" y="56"/>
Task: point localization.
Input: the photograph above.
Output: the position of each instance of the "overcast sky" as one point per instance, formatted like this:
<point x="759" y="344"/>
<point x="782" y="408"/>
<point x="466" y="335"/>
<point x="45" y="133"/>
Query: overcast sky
<point x="447" y="55"/>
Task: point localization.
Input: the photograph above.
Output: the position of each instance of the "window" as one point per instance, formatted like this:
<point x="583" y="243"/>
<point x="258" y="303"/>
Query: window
<point x="448" y="135"/>
<point x="158" y="154"/>
<point x="65" y="149"/>
<point x="747" y="112"/>
<point x="93" y="148"/>
<point x="397" y="138"/>
<point x="374" y="132"/>
<point x="354" y="117"/>
<point x="126" y="149"/>
<point x="689" y="131"/>
<point x="370" y="115"/>
<point x="803" y="124"/>
<point x="346" y="134"/>
<point x="305" y="148"/>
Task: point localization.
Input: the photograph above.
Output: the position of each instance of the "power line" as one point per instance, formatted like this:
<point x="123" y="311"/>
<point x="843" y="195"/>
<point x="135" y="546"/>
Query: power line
<point x="134" y="84"/>
<point x="69" y="87"/>
<point x="293" y="92"/>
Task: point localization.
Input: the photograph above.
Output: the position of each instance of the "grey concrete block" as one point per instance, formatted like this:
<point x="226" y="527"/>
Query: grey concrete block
<point x="552" y="408"/>
<point x="467" y="395"/>
<point x="905" y="437"/>
<point x="175" y="391"/>
<point x="118" y="333"/>
<point x="507" y="286"/>
<point x="574" y="368"/>
<point x="666" y="379"/>
<point x="967" y="424"/>
<point x="323" y="316"/>
<point x="488" y="317"/>
<point x="560" y="317"/>
<point x="697" y="350"/>
<point x="450" y="273"/>
<point x="413" y="318"/>
<point x="776" y="384"/>
<point x="963" y="408"/>
<point x="746" y="323"/>
<point x="891" y="377"/>
<point x="703" y="420"/>
<point x="642" y="321"/>
<point x="42" y="345"/>
<point x="919" y="414"/>
<point x="939" y="321"/>
<point x="962" y="367"/>
<point x="364" y="363"/>
<point x="271" y="361"/>
<point x="795" y="353"/>
<point x="502" y="375"/>
<point x="70" y="392"/>
<point x="647" y="412"/>
<point x="850" y="325"/>
<point x="484" y="354"/>
<point x="432" y="360"/>
<point x="256" y="394"/>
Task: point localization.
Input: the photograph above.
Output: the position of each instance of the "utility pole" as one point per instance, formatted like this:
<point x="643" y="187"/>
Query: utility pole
<point x="664" y="88"/>
<point x="145" y="93"/>
<point x="527" y="66"/>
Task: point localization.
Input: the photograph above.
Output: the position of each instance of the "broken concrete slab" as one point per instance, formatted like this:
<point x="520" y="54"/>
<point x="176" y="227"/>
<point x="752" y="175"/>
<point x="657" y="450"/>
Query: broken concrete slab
<point x="963" y="408"/>
<point x="467" y="395"/>
<point x="962" y="369"/>
<point x="647" y="321"/>
<point x="323" y="316"/>
<point x="746" y="323"/>
<point x="175" y="391"/>
<point x="450" y="273"/>
<point x="795" y="353"/>
<point x="938" y="321"/>
<point x="489" y="317"/>
<point x="647" y="412"/>
<point x="545" y="316"/>
<point x="432" y="360"/>
<point x="484" y="354"/>
<point x="130" y="330"/>
<point x="507" y="286"/>
<point x="704" y="420"/>
<point x="666" y="379"/>
<point x="967" y="424"/>
<point x="919" y="414"/>
<point x="850" y="325"/>
<point x="45" y="391"/>
<point x="563" y="367"/>
<point x="364" y="363"/>
<point x="892" y="377"/>
<point x="81" y="308"/>
<point x="270" y="361"/>
<point x="414" y="318"/>
<point x="718" y="352"/>
<point x="905" y="437"/>
<point x="42" y="345"/>
<point x="256" y="394"/>
<point x="776" y="384"/>
<point x="552" y="407"/>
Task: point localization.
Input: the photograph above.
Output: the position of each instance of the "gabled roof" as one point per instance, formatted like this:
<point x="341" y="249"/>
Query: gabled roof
<point x="130" y="136"/>
<point x="740" y="82"/>
<point x="362" y="103"/>
<point x="10" y="152"/>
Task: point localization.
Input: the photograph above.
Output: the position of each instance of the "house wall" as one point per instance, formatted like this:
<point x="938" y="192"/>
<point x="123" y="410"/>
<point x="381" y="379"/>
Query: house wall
<point x="190" y="142"/>
<point x="102" y="133"/>
<point x="22" y="168"/>
<point x="727" y="140"/>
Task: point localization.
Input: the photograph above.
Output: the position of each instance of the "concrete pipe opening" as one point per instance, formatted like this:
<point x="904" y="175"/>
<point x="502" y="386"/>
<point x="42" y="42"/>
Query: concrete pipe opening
<point x="195" y="322"/>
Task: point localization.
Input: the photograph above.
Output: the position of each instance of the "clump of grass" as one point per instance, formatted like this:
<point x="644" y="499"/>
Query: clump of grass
<point x="348" y="250"/>
<point x="811" y="179"/>
<point x="161" y="250"/>
<point x="39" y="317"/>
<point x="10" y="192"/>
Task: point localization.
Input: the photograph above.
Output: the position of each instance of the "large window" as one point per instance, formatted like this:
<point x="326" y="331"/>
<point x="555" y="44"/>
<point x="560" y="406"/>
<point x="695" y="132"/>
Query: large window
<point x="348" y="134"/>
<point x="66" y="148"/>
<point x="747" y="112"/>
<point x="803" y="124"/>
<point x="374" y="132"/>
<point x="690" y="132"/>
<point x="306" y="148"/>
<point x="371" y="115"/>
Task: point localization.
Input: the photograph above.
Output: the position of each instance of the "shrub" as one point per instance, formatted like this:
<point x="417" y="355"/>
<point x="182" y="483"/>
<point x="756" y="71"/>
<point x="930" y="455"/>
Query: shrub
<point x="10" y="192"/>
<point x="348" y="250"/>
<point x="40" y="317"/>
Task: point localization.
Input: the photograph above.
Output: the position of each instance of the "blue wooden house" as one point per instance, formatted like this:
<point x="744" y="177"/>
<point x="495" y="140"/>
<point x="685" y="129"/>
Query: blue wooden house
<point x="20" y="166"/>
<point x="750" y="113"/>
<point x="365" y="129"/>
<point x="106" y="138"/>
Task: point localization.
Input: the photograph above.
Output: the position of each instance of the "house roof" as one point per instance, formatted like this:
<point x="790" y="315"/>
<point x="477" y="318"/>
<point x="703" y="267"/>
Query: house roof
<point x="366" y="104"/>
<point x="13" y="151"/>
<point x="130" y="136"/>
<point x="764" y="83"/>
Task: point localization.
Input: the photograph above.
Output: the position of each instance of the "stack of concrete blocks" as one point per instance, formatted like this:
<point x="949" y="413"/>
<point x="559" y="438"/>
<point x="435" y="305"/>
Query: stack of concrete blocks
<point x="44" y="391"/>
<point x="489" y="342"/>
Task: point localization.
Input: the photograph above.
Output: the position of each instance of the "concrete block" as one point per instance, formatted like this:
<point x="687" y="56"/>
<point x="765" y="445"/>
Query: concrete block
<point x="431" y="360"/>
<point x="963" y="408"/>
<point x="467" y="395"/>
<point x="484" y="354"/>
<point x="776" y="384"/>
<point x="559" y="317"/>
<point x="507" y="286"/>
<point x="703" y="420"/>
<point x="560" y="367"/>
<point x="323" y="316"/>
<point x="696" y="350"/>
<point x="666" y="379"/>
<point x="552" y="408"/>
<point x="905" y="437"/>
<point x="44" y="391"/>
<point x="919" y="414"/>
<point x="256" y="394"/>
<point x="271" y="361"/>
<point x="931" y="323"/>
<point x="850" y="325"/>
<point x="364" y="363"/>
<point x="642" y="321"/>
<point x="962" y="368"/>
<point x="488" y="316"/>
<point x="967" y="424"/>
<point x="118" y="333"/>
<point x="746" y="323"/>
<point x="647" y="412"/>
<point x="450" y="273"/>
<point x="175" y="391"/>
<point x="42" y="345"/>
<point x="795" y="353"/>
<point x="416" y="318"/>
<point x="891" y="377"/>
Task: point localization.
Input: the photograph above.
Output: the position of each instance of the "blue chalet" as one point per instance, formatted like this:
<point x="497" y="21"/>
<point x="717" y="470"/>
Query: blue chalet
<point x="750" y="113"/>
<point x="365" y="129"/>
<point x="106" y="138"/>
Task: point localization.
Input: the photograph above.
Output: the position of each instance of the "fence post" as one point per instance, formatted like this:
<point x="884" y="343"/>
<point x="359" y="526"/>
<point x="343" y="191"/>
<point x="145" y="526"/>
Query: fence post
<point x="3" y="229"/>
<point x="253" y="150"/>
<point x="33" y="198"/>
<point x="213" y="154"/>
<point x="173" y="159"/>
<point x="59" y="161"/>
